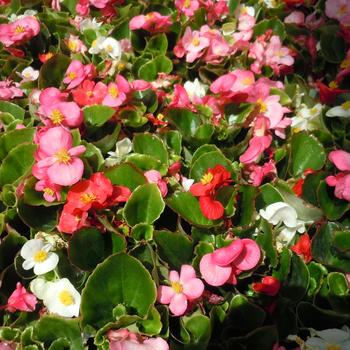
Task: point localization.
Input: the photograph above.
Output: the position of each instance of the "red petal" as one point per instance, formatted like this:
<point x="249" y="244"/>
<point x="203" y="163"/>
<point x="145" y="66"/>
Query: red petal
<point x="211" y="208"/>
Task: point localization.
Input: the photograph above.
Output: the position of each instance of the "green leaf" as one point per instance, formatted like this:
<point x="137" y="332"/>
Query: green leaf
<point x="246" y="206"/>
<point x="317" y="274"/>
<point x="97" y="115"/>
<point x="11" y="139"/>
<point x="232" y="5"/>
<point x="174" y="248"/>
<point x="274" y="23"/>
<point x="49" y="329"/>
<point x="144" y="205"/>
<point x="185" y="121"/>
<point x="17" y="163"/>
<point x="266" y="241"/>
<point x="244" y="315"/>
<point x="52" y="72"/>
<point x="195" y="331"/>
<point x="126" y="174"/>
<point x="9" y="247"/>
<point x="306" y="152"/>
<point x="333" y="46"/>
<point x="15" y="110"/>
<point x="341" y="240"/>
<point x="338" y="284"/>
<point x="142" y="232"/>
<point x="187" y="206"/>
<point x="120" y="279"/>
<point x="151" y="145"/>
<point x="88" y="247"/>
<point x="146" y="162"/>
<point x="161" y="64"/>
<point x="333" y="207"/>
<point x="158" y="44"/>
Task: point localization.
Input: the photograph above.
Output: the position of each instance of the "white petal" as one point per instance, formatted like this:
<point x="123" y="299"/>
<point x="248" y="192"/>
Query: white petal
<point x="286" y="236"/>
<point x="338" y="112"/>
<point x="333" y="336"/>
<point x="31" y="247"/>
<point x="39" y="287"/>
<point x="47" y="265"/>
<point x="28" y="264"/>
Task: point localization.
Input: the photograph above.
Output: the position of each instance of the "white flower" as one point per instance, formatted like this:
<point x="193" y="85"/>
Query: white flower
<point x="96" y="45"/>
<point x="195" y="89"/>
<point x="186" y="183"/>
<point x="270" y="3"/>
<point x="36" y="253"/>
<point x="29" y="74"/>
<point x="329" y="339"/>
<point x="122" y="148"/>
<point x="87" y="23"/>
<point x="246" y="10"/>
<point x="59" y="297"/>
<point x="112" y="48"/>
<point x="340" y="111"/>
<point x="306" y="117"/>
<point x="283" y="213"/>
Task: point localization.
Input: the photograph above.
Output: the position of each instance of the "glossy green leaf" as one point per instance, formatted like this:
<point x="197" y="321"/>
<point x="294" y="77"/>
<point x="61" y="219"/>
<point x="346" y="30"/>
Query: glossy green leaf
<point x="97" y="115"/>
<point x="161" y="64"/>
<point x="9" y="247"/>
<point x="13" y="109"/>
<point x="152" y="145"/>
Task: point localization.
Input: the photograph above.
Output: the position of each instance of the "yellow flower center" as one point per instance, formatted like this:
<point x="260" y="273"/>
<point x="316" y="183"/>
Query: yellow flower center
<point x="72" y="45"/>
<point x="20" y="29"/>
<point x="56" y="116"/>
<point x="247" y="81"/>
<point x="66" y="298"/>
<point x="345" y="64"/>
<point x="195" y="41"/>
<point x="187" y="4"/>
<point x="314" y="111"/>
<point x="109" y="48"/>
<point x="207" y="178"/>
<point x="94" y="43"/>
<point x="87" y="198"/>
<point x="121" y="66"/>
<point x="62" y="156"/>
<point x="113" y="91"/>
<point x="346" y="105"/>
<point x="40" y="256"/>
<point x="177" y="287"/>
<point x="49" y="191"/>
<point x="333" y="347"/>
<point x="333" y="85"/>
<point x="149" y="16"/>
<point x="262" y="105"/>
<point x="296" y="130"/>
<point x="72" y="75"/>
<point x="89" y="93"/>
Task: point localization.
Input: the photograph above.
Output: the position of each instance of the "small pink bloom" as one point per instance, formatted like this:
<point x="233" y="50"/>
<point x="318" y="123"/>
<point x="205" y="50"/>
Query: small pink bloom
<point x="100" y="4"/>
<point x="338" y="9"/>
<point x="76" y="73"/>
<point x="153" y="22"/>
<point x="154" y="177"/>
<point x="9" y="90"/>
<point x="340" y="159"/>
<point x="51" y="96"/>
<point x="187" y="7"/>
<point x="225" y="264"/>
<point x="21" y="300"/>
<point x="341" y="182"/>
<point x="7" y="346"/>
<point x="259" y="172"/>
<point x="140" y="85"/>
<point x="83" y="7"/>
<point x="185" y="287"/>
<point x="257" y="145"/>
<point x="123" y="339"/>
<point x="116" y="92"/>
<point x="296" y="17"/>
<point x="181" y="99"/>
<point x="276" y="54"/>
<point x="58" y="159"/>
<point x="51" y="191"/>
<point x="245" y="22"/>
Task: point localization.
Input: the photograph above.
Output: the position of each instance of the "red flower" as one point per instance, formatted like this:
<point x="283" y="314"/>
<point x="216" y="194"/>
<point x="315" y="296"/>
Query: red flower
<point x="71" y="219"/>
<point x="303" y="248"/>
<point x="21" y="300"/>
<point x="207" y="188"/>
<point x="43" y="57"/>
<point x="298" y="187"/>
<point x="89" y="93"/>
<point x="269" y="285"/>
<point x="329" y="93"/>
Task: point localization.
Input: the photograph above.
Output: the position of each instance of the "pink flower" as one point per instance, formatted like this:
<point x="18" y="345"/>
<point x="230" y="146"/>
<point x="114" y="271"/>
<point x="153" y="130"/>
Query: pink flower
<point x="154" y="177"/>
<point x="62" y="113"/>
<point x="259" y="172"/>
<point x="296" y="17"/>
<point x="340" y="181"/>
<point x="9" y="90"/>
<point x="187" y="7"/>
<point x="21" y="300"/>
<point x="224" y="264"/>
<point x="19" y="31"/>
<point x="123" y="339"/>
<point x="83" y="7"/>
<point x="192" y="44"/>
<point x="51" y="96"/>
<point x="338" y="9"/>
<point x="76" y="73"/>
<point x="116" y="92"/>
<point x="181" y="99"/>
<point x="51" y="191"/>
<point x="153" y="22"/>
<point x="7" y="346"/>
<point x="89" y="93"/>
<point x="277" y="54"/>
<point x="184" y="288"/>
<point x="58" y="161"/>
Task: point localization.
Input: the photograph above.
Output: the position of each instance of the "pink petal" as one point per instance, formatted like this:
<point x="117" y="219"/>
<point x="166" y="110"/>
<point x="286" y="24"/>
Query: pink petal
<point x="165" y="293"/>
<point x="153" y="176"/>
<point x="76" y="151"/>
<point x="341" y="159"/>
<point x="66" y="174"/>
<point x="178" y="304"/>
<point x="174" y="276"/>
<point x="54" y="139"/>
<point x="213" y="274"/>
<point x="224" y="256"/>
<point x="249" y="257"/>
<point x="187" y="273"/>
<point x="193" y="288"/>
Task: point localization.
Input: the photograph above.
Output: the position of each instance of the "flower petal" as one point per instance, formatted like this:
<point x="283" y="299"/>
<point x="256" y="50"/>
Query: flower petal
<point x="193" y="288"/>
<point x="178" y="304"/>
<point x="165" y="293"/>
<point x="213" y="274"/>
<point x="249" y="256"/>
<point x="224" y="256"/>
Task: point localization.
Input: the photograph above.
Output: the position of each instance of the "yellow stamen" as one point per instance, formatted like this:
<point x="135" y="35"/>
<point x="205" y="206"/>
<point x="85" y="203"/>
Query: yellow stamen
<point x="187" y="4"/>
<point x="89" y="93"/>
<point x="149" y="16"/>
<point x="296" y="130"/>
<point x="72" y="75"/>
<point x="19" y="29"/>
<point x="314" y="111"/>
<point x="333" y="84"/>
<point x="62" y="156"/>
<point x="72" y="45"/>
<point x="177" y="287"/>
<point x="207" y="178"/>
<point x="113" y="91"/>
<point x="160" y="116"/>
<point x="109" y="48"/>
<point x="66" y="298"/>
<point x="262" y="105"/>
<point x="49" y="191"/>
<point x="195" y="41"/>
<point x="346" y="105"/>
<point x="345" y="64"/>
<point x="87" y="198"/>
<point x="40" y="256"/>
<point x="247" y="81"/>
<point x="56" y="116"/>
